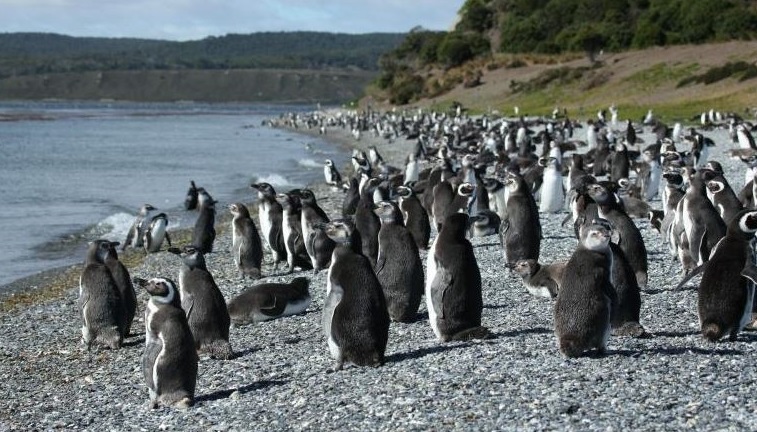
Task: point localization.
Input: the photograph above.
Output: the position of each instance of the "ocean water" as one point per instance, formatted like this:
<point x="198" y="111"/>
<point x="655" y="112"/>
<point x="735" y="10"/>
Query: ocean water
<point x="74" y="172"/>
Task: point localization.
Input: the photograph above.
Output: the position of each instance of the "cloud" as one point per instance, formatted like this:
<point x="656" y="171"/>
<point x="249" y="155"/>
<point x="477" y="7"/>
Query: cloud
<point x="196" y="19"/>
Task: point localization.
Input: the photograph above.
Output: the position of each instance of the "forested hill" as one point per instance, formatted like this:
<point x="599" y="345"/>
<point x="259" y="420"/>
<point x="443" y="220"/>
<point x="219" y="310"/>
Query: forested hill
<point x="33" y="53"/>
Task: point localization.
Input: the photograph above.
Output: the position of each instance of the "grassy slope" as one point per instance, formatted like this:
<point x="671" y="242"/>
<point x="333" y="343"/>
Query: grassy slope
<point x="635" y="81"/>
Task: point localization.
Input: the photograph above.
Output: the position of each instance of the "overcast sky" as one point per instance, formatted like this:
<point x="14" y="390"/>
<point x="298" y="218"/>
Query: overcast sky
<point x="196" y="19"/>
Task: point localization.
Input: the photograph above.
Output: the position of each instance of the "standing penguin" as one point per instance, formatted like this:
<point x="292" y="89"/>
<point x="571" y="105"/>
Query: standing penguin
<point x="367" y="223"/>
<point x="520" y="232"/>
<point x="170" y="360"/>
<point x="297" y="255"/>
<point x="399" y="268"/>
<point x="317" y="244"/>
<point x="204" y="233"/>
<point x="155" y="233"/>
<point x="552" y="189"/>
<point x="351" y="197"/>
<point x="203" y="304"/>
<point x="135" y="236"/>
<point x="701" y="222"/>
<point x="414" y="215"/>
<point x="330" y="173"/>
<point x="453" y="285"/>
<point x="102" y="309"/>
<point x="726" y="292"/>
<point x="246" y="247"/>
<point x="190" y="202"/>
<point x="122" y="280"/>
<point x="355" y="319"/>
<point x="584" y="304"/>
<point x="270" y="216"/>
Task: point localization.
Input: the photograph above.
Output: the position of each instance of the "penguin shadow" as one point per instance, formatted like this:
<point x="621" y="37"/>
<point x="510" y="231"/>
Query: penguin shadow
<point x="245" y="352"/>
<point x="225" y="394"/>
<point x="560" y="237"/>
<point x="483" y="245"/>
<point x="682" y="333"/>
<point x="693" y="350"/>
<point x="671" y="290"/>
<point x="422" y="352"/>
<point x="495" y="306"/>
<point x="134" y="342"/>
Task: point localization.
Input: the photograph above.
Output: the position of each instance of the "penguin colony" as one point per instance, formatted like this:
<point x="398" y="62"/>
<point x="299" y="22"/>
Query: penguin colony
<point x="487" y="176"/>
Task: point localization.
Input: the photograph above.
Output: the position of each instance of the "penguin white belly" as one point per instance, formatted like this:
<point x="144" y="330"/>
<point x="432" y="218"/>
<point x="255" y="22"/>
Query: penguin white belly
<point x="431" y="274"/>
<point x="606" y="331"/>
<point x="265" y="221"/>
<point x="327" y="174"/>
<point x="158" y="359"/>
<point x="552" y="194"/>
<point x="334" y="294"/>
<point x="655" y="175"/>
<point x="292" y="308"/>
<point x="537" y="291"/>
<point x="287" y="230"/>
<point x="411" y="172"/>
<point x="687" y="223"/>
<point x="746" y="317"/>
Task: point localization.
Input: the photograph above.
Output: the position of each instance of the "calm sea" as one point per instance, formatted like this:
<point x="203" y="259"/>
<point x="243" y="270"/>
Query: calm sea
<point x="73" y="172"/>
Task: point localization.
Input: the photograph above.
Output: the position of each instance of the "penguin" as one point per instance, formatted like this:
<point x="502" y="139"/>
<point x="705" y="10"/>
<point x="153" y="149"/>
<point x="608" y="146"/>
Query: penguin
<point x="123" y="282"/>
<point x="722" y="197"/>
<point x="453" y="284"/>
<point x="584" y="304"/>
<point x="190" y="201"/>
<point x="444" y="197"/>
<point x="541" y="280"/>
<point x="485" y="223"/>
<point x="297" y="255"/>
<point x="630" y="239"/>
<point x="317" y="244"/>
<point x="414" y="215"/>
<point x="520" y="232"/>
<point x="552" y="190"/>
<point x="651" y="174"/>
<point x="135" y="236"/>
<point x="330" y="173"/>
<point x="702" y="225"/>
<point x="204" y="305"/>
<point x="155" y="233"/>
<point x="367" y="223"/>
<point x="270" y="301"/>
<point x="351" y="197"/>
<point x="355" y="318"/>
<point x="270" y="216"/>
<point x="169" y="364"/>
<point x="726" y="291"/>
<point x="398" y="268"/>
<point x="411" y="169"/>
<point x="100" y="303"/>
<point x="204" y="233"/>
<point x="246" y="248"/>
<point x="620" y="165"/>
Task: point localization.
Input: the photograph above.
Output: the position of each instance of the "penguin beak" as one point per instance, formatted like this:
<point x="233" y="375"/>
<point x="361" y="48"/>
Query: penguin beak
<point x="255" y="186"/>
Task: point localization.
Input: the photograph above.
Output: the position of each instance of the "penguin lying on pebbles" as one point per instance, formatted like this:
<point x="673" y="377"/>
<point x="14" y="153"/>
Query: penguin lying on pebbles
<point x="269" y="301"/>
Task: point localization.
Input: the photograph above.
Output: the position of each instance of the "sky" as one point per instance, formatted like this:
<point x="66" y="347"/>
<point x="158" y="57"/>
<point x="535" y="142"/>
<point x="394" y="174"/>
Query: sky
<point x="197" y="19"/>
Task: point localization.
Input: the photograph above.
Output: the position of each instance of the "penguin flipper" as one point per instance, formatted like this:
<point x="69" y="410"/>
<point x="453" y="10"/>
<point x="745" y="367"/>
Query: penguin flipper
<point x="750" y="272"/>
<point x="168" y="239"/>
<point x="698" y="240"/>
<point x="380" y="262"/>
<point x="442" y="281"/>
<point x="273" y="305"/>
<point x="693" y="273"/>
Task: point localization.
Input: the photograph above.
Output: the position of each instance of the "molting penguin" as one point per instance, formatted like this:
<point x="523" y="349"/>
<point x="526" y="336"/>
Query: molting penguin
<point x="270" y="216"/>
<point x="355" y="319"/>
<point x="297" y="255"/>
<point x="204" y="233"/>
<point x="170" y="360"/>
<point x="246" y="248"/>
<point x="190" y="201"/>
<point x="204" y="305"/>
<point x="330" y="173"/>
<point x="155" y="233"/>
<point x="269" y="301"/>
<point x="399" y="268"/>
<point x="541" y="280"/>
<point x="453" y="284"/>
<point x="414" y="215"/>
<point x="135" y="236"/>
<point x="520" y="232"/>
<point x="584" y="304"/>
<point x="726" y="292"/>
<point x="102" y="309"/>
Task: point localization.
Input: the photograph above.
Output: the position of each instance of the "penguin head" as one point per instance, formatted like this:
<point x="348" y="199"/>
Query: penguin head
<point x="307" y="197"/>
<point x="747" y="222"/>
<point x="492" y="184"/>
<point x="388" y="212"/>
<point x="204" y="199"/>
<point x="264" y="190"/>
<point x="98" y="251"/>
<point x="147" y="208"/>
<point x="524" y="267"/>
<point x="596" y="236"/>
<point x="673" y="177"/>
<point x="161" y="290"/>
<point x="191" y="255"/>
<point x="466" y="189"/>
<point x="329" y="163"/>
<point x="404" y="191"/>
<point x="339" y="230"/>
<point x="239" y="210"/>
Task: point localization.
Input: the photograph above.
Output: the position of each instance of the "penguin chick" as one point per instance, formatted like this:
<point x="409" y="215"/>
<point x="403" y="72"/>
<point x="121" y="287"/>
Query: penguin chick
<point x="269" y="301"/>
<point x="169" y="364"/>
<point x="541" y="280"/>
<point x="246" y="247"/>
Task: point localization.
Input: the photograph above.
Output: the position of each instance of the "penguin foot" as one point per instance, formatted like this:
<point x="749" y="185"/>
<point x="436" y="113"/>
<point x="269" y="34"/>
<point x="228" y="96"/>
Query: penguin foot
<point x="184" y="403"/>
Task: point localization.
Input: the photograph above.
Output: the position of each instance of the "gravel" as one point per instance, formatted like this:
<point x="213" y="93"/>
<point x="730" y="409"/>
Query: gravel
<point x="518" y="380"/>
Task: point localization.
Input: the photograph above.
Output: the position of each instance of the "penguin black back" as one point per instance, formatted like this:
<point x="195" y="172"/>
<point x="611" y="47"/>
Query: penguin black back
<point x="204" y="233"/>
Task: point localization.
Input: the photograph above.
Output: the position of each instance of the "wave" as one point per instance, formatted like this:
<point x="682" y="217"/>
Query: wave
<point x="309" y="163"/>
<point x="274" y="180"/>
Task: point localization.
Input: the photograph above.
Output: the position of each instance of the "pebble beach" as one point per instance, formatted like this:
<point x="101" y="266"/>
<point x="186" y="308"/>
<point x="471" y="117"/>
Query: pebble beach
<point x="671" y="379"/>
